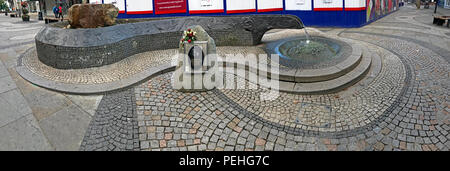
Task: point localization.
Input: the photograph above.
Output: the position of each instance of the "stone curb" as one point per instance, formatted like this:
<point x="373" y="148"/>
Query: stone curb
<point x="26" y="74"/>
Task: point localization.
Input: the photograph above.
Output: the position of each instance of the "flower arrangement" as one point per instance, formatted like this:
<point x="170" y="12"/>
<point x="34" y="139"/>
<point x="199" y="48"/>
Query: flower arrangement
<point x="189" y="36"/>
<point x="24" y="4"/>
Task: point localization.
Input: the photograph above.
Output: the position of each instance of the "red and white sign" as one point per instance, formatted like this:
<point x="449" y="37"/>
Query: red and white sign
<point x="118" y="3"/>
<point x="241" y="6"/>
<point x="270" y="5"/>
<point x="139" y="6"/>
<point x="328" y="5"/>
<point x="355" y="5"/>
<point x="298" y="5"/>
<point x="205" y="6"/>
<point x="170" y="6"/>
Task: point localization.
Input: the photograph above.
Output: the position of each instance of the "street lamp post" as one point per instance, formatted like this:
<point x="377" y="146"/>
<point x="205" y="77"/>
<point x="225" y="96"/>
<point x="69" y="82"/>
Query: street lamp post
<point x="20" y="8"/>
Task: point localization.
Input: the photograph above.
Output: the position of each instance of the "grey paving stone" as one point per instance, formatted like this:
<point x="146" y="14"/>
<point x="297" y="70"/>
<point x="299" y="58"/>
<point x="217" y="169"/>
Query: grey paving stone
<point x="23" y="134"/>
<point x="12" y="106"/>
<point x="192" y="148"/>
<point x="65" y="129"/>
<point x="3" y="71"/>
<point x="6" y="84"/>
<point x="17" y="101"/>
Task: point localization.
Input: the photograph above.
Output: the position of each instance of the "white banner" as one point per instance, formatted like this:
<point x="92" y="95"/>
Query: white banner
<point x="331" y="4"/>
<point x="238" y="6"/>
<point x="270" y="5"/>
<point x="95" y="2"/>
<point x="299" y="5"/>
<point x="205" y="6"/>
<point x="355" y="3"/>
<point x="118" y="3"/>
<point x="139" y="6"/>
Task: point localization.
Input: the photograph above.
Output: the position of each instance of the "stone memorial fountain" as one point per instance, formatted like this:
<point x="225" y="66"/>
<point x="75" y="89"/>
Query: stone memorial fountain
<point x="195" y="70"/>
<point x="308" y="64"/>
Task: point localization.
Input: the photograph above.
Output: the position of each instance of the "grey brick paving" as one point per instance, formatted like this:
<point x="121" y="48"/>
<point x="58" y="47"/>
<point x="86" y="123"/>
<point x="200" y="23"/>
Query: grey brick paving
<point x="114" y="126"/>
<point x="402" y="106"/>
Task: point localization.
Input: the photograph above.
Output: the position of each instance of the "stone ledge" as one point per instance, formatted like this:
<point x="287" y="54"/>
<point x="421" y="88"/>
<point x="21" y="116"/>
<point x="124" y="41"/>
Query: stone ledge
<point x="337" y="84"/>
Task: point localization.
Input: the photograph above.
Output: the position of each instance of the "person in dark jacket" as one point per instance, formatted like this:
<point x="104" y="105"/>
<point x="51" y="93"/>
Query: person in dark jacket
<point x="55" y="11"/>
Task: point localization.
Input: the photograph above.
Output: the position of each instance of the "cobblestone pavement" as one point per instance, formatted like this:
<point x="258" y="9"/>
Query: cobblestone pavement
<point x="402" y="105"/>
<point x="114" y="126"/>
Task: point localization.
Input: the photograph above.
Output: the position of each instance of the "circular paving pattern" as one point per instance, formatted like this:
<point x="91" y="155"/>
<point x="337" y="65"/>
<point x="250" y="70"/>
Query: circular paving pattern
<point x="316" y="113"/>
<point x="224" y="120"/>
<point x="342" y="111"/>
<point x="402" y="104"/>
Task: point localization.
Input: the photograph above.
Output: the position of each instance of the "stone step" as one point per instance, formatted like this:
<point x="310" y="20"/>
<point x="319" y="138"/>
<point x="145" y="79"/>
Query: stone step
<point x="332" y="85"/>
<point x="303" y="75"/>
<point x="337" y="84"/>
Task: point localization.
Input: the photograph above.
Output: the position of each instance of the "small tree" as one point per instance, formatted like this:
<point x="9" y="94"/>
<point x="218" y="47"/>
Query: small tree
<point x="3" y="6"/>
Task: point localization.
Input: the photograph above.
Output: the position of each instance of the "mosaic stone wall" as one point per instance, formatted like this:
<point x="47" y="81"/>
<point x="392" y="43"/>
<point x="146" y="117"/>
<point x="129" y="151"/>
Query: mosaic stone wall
<point x="86" y="48"/>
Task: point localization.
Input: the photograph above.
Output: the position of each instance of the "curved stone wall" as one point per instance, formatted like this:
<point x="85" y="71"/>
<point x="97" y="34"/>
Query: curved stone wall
<point x="85" y="48"/>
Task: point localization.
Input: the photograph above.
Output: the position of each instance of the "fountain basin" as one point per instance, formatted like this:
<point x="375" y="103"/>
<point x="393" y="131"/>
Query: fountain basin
<point x="348" y="63"/>
<point x="301" y="53"/>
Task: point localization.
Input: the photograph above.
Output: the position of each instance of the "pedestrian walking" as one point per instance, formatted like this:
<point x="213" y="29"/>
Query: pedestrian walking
<point x="55" y="11"/>
<point x="60" y="12"/>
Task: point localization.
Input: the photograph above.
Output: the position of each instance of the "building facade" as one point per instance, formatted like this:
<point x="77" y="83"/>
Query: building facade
<point x="14" y="5"/>
<point x="47" y="5"/>
<point x="329" y="13"/>
<point x="444" y="3"/>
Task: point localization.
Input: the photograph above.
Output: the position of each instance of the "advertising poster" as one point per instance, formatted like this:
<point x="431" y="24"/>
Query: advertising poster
<point x="299" y="5"/>
<point x="328" y="5"/>
<point x="118" y="3"/>
<point x="355" y="5"/>
<point x="270" y="5"/>
<point x="378" y="8"/>
<point x="170" y="6"/>
<point x="139" y="6"/>
<point x="205" y="6"/>
<point x="241" y="6"/>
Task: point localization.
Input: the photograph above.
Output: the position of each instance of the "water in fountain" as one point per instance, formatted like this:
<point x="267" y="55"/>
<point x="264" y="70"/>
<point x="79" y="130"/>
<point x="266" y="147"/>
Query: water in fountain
<point x="305" y="51"/>
<point x="308" y="38"/>
<point x="301" y="52"/>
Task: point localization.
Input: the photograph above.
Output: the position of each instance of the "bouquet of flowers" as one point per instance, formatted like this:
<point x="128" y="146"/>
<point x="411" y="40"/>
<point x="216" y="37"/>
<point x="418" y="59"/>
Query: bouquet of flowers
<point x="189" y="36"/>
<point x="24" y="4"/>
